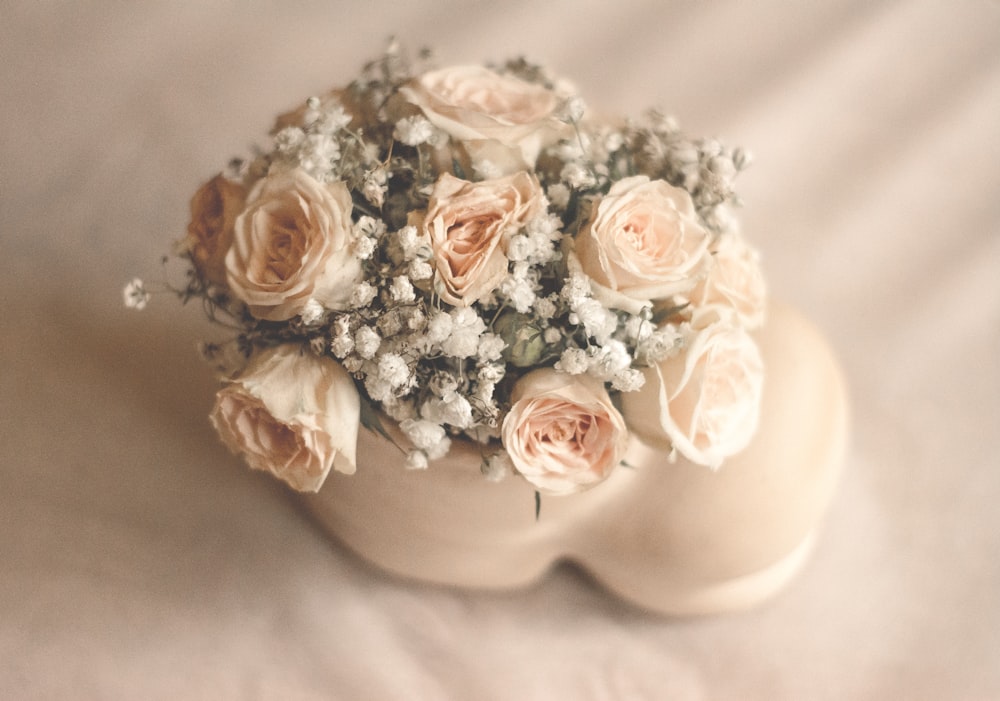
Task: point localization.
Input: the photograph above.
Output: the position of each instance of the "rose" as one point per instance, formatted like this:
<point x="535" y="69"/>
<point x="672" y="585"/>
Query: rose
<point x="497" y="118"/>
<point x="292" y="243"/>
<point x="642" y="243"/>
<point x="214" y="208"/>
<point x="469" y="223"/>
<point x="562" y="433"/>
<point x="703" y="401"/>
<point x="734" y="283"/>
<point x="292" y="414"/>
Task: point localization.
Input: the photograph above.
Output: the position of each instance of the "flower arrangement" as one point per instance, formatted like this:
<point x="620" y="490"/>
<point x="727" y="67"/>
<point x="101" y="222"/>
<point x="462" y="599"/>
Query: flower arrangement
<point x="462" y="253"/>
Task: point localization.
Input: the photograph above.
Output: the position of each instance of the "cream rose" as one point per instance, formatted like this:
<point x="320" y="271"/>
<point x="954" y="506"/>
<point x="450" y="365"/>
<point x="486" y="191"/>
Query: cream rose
<point x="214" y="208"/>
<point x="293" y="242"/>
<point x="643" y="243"/>
<point x="704" y="401"/>
<point x="562" y="432"/>
<point x="293" y="414"/>
<point x="734" y="283"/>
<point x="497" y="118"/>
<point x="469" y="224"/>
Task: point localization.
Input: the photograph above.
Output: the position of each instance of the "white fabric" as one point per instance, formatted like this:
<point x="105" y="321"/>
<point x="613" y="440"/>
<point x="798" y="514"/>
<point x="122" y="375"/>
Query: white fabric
<point x="139" y="560"/>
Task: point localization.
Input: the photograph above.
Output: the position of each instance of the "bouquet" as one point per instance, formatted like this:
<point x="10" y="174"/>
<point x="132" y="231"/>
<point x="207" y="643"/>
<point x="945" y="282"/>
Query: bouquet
<point x="463" y="253"/>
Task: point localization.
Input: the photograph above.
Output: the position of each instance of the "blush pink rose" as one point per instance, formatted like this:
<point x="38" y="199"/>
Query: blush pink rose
<point x="704" y="401"/>
<point x="643" y="243"/>
<point x="214" y="208"/>
<point x="734" y="283"/>
<point x="293" y="242"/>
<point x="469" y="224"/>
<point x="562" y="433"/>
<point x="293" y="414"/>
<point x="497" y="118"/>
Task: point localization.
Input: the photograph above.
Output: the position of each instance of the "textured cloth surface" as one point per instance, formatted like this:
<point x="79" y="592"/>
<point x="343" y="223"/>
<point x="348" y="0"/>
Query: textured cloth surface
<point x="139" y="560"/>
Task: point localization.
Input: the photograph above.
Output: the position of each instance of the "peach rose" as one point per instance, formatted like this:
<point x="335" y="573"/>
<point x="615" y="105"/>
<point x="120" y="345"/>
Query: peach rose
<point x="292" y="414"/>
<point x="214" y="208"/>
<point x="734" y="283"/>
<point x="562" y="433"/>
<point x="704" y="401"/>
<point x="469" y="224"/>
<point x="642" y="243"/>
<point x="497" y="118"/>
<point x="293" y="242"/>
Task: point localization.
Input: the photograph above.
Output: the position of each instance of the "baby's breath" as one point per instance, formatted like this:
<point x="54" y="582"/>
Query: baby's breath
<point x="441" y="370"/>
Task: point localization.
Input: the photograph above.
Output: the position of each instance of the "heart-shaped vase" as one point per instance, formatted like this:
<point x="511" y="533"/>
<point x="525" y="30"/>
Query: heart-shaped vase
<point x="672" y="537"/>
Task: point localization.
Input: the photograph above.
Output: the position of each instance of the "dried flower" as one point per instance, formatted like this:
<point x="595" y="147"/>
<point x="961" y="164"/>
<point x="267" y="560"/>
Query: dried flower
<point x="440" y="237"/>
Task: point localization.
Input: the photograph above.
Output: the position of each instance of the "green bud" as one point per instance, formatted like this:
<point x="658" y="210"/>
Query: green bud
<point x="524" y="338"/>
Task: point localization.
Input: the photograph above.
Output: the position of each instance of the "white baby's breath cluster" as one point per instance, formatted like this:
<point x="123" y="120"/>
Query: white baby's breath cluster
<point x="436" y="317"/>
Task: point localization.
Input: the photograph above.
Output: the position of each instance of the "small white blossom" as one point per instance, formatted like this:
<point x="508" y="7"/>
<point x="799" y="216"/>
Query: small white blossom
<point x="370" y="227"/>
<point x="416" y="460"/>
<point x="364" y="247"/>
<point x="412" y="243"/>
<point x="413" y="131"/>
<point x="318" y="153"/>
<point x="467" y="326"/>
<point x="423" y="434"/>
<point x="545" y="307"/>
<point x="342" y="345"/>
<point x="552" y="335"/>
<point x="660" y="344"/>
<point x="393" y="369"/>
<point x="490" y="347"/>
<point x="312" y="312"/>
<point x="400" y="410"/>
<point x="440" y="449"/>
<point x="609" y="360"/>
<point x="439" y="327"/>
<point x="637" y="328"/>
<point x="367" y="341"/>
<point x="326" y="115"/>
<point x="452" y="409"/>
<point x="543" y="248"/>
<point x="289" y="140"/>
<point x="421" y="270"/>
<point x="519" y="291"/>
<point x="573" y="361"/>
<point x="378" y="389"/>
<point x="362" y="295"/>
<point x="572" y="110"/>
<point x="558" y="195"/>
<point x="628" y="380"/>
<point x="577" y="176"/>
<point x="596" y="320"/>
<point x="402" y="290"/>
<point x="135" y="295"/>
<point x="519" y="247"/>
<point x="374" y="186"/>
<point x="613" y="141"/>
<point x="576" y="287"/>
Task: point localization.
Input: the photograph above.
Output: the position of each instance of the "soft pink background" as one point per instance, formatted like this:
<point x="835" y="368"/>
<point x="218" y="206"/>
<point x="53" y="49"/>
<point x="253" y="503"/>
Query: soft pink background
<point x="139" y="560"/>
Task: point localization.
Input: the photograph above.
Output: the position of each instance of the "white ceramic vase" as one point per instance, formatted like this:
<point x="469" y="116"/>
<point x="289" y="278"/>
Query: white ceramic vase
<point x="674" y="538"/>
